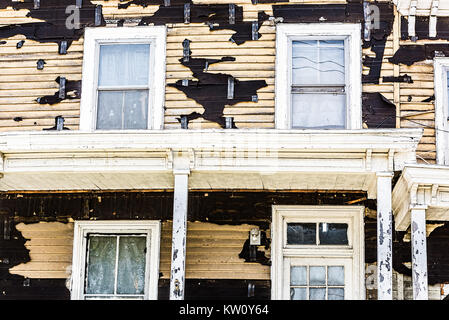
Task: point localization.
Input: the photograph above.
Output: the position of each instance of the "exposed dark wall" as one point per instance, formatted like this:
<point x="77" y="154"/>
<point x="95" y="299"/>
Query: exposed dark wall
<point x="231" y="208"/>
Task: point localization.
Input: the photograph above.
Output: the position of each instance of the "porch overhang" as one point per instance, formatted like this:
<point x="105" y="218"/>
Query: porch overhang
<point x="421" y="187"/>
<point x="264" y="159"/>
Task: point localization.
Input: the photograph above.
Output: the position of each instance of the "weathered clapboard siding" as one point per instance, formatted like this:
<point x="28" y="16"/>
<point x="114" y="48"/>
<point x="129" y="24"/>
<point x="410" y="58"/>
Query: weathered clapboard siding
<point x="21" y="83"/>
<point x="213" y="252"/>
<point x="50" y="249"/>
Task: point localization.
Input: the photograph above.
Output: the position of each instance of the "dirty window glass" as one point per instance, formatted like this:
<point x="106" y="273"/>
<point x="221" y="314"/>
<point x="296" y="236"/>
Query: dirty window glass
<point x="116" y="266"/>
<point x="301" y="233"/>
<point x="123" y="86"/>
<point x="131" y="265"/>
<point x="101" y="265"/>
<point x="318" y="84"/>
<point x="317" y="282"/>
<point x="333" y="233"/>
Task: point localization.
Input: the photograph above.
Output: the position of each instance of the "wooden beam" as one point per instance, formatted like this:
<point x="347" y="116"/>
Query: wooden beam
<point x="384" y="237"/>
<point x="419" y="253"/>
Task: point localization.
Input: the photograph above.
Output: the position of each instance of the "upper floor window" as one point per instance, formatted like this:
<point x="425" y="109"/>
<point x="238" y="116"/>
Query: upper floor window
<point x="123" y="78"/>
<point x="318" y="76"/>
<point x="442" y="109"/>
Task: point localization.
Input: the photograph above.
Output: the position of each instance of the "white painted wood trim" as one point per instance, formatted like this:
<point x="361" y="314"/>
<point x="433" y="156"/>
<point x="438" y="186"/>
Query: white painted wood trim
<point x="354" y="215"/>
<point x="82" y="228"/>
<point x="156" y="36"/>
<point x="441" y="66"/>
<point x="285" y="33"/>
<point x="384" y="237"/>
<point x="179" y="237"/>
<point x="419" y="253"/>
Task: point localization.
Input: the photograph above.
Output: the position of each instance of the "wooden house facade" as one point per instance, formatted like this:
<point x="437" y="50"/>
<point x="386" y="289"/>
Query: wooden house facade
<point x="225" y="149"/>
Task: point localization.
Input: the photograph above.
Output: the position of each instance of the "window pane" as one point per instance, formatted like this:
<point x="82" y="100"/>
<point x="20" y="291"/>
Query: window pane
<point x="317" y="293"/>
<point x="131" y="265"/>
<point x="122" y="109"/>
<point x="124" y="65"/>
<point x="101" y="265"/>
<point x="336" y="294"/>
<point x="336" y="276"/>
<point x="318" y="62"/>
<point x="333" y="233"/>
<point x="301" y="233"/>
<point x="298" y="294"/>
<point x="317" y="276"/>
<point x="319" y="111"/>
<point x="298" y="276"/>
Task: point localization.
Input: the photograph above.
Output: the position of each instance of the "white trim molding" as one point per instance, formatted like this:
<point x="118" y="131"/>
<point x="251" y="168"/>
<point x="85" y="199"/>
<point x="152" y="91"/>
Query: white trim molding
<point x="93" y="37"/>
<point x="244" y="159"/>
<point x="422" y="186"/>
<point x="351" y="255"/>
<point x="285" y="34"/>
<point x="151" y="229"/>
<point x="441" y="66"/>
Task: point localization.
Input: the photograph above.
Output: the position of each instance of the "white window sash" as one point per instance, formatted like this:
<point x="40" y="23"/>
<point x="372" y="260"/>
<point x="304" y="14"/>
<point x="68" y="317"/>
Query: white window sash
<point x="285" y="34"/>
<point x="93" y="38"/>
<point x="441" y="110"/>
<point x="82" y="228"/>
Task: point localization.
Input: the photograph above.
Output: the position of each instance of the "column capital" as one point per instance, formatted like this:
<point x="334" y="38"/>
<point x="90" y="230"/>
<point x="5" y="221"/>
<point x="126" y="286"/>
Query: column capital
<point x="386" y="174"/>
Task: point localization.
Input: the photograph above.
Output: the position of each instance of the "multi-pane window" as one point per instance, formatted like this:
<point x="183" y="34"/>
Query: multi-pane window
<point x="318" y="76"/>
<point x="115" y="260"/>
<point x="123" y="86"/>
<point x="317" y="253"/>
<point x="123" y="81"/>
<point x="115" y="266"/>
<point x="317" y="282"/>
<point x="318" y="84"/>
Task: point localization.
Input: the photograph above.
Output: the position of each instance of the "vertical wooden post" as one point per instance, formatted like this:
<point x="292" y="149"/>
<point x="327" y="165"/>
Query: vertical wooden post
<point x="419" y="253"/>
<point x="384" y="237"/>
<point x="181" y="173"/>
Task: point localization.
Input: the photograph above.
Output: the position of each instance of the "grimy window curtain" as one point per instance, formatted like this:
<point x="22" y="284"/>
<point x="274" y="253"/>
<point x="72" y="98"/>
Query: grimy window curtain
<point x="317" y="67"/>
<point x="123" y="86"/>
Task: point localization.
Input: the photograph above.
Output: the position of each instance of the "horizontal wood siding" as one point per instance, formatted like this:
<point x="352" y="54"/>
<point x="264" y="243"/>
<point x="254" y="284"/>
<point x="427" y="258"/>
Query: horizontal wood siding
<point x="213" y="252"/>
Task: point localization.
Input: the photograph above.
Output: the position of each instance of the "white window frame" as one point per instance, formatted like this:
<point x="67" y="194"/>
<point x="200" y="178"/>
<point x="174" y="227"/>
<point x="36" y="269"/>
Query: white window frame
<point x="93" y="38"/>
<point x="286" y="34"/>
<point x="441" y="66"/>
<point x="82" y="228"/>
<point x="282" y="254"/>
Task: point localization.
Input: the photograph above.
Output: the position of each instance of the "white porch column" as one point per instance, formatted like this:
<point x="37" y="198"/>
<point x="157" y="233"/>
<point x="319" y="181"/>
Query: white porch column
<point x="384" y="237"/>
<point x="180" y="200"/>
<point x="419" y="252"/>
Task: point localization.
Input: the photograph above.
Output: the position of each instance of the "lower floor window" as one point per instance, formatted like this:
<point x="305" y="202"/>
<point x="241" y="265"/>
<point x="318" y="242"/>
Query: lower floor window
<point x="317" y="253"/>
<point x="115" y="260"/>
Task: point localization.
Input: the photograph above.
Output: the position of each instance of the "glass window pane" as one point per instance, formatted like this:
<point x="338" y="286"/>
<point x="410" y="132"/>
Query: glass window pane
<point x="317" y="276"/>
<point x="333" y="233"/>
<point x="122" y="109"/>
<point x="298" y="276"/>
<point x="317" y="294"/>
<point x="319" y="111"/>
<point x="124" y="65"/>
<point x="131" y="265"/>
<point x="336" y="294"/>
<point x="336" y="276"/>
<point x="318" y="62"/>
<point x="109" y="109"/>
<point x="136" y="109"/>
<point x="301" y="233"/>
<point x="101" y="265"/>
<point x="298" y="294"/>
